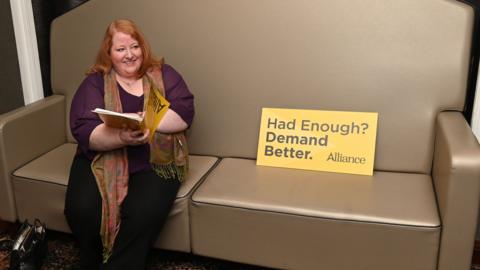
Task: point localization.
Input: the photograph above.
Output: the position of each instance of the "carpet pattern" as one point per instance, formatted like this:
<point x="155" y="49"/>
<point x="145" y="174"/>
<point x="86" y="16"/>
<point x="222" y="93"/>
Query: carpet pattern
<point x="63" y="254"/>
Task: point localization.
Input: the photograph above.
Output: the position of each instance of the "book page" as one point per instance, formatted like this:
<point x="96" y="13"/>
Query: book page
<point x="119" y="120"/>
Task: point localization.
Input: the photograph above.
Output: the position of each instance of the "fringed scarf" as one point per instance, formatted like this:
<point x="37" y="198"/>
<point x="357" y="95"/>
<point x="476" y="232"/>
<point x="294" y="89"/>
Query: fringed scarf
<point x="168" y="157"/>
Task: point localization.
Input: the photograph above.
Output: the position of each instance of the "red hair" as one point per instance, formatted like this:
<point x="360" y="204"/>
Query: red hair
<point x="103" y="63"/>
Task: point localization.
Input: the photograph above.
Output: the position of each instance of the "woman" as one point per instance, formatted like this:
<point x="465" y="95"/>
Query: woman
<point x="122" y="185"/>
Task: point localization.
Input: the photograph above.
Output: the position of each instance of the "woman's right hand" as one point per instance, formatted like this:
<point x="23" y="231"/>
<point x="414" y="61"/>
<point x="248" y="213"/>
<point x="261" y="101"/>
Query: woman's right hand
<point x="134" y="137"/>
<point x="104" y="138"/>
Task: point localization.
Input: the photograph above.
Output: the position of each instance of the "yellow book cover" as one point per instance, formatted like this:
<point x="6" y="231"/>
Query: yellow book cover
<point x="156" y="108"/>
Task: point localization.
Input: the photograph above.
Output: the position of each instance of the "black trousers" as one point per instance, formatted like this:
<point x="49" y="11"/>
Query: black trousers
<point x="143" y="213"/>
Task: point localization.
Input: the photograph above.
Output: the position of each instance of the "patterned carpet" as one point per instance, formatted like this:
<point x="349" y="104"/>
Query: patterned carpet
<point x="63" y="254"/>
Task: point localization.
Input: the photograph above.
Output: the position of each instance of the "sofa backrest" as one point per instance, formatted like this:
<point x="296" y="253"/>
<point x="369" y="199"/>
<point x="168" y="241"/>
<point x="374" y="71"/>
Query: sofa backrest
<point x="405" y="59"/>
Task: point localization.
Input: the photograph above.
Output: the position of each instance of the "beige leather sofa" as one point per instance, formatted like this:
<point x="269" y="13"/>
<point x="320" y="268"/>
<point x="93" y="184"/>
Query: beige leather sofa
<point x="408" y="60"/>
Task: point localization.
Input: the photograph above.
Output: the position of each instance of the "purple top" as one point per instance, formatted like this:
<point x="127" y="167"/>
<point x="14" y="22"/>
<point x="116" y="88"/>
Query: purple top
<point x="90" y="96"/>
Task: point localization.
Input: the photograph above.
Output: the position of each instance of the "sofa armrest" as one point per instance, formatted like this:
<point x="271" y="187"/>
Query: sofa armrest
<point x="25" y="134"/>
<point x="456" y="177"/>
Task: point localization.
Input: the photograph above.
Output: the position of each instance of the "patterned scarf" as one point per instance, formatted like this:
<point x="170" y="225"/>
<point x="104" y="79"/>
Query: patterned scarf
<point x="168" y="157"/>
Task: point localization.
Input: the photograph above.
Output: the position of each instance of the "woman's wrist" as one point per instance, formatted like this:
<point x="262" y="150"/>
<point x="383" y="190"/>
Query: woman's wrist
<point x="121" y="139"/>
<point x="104" y="138"/>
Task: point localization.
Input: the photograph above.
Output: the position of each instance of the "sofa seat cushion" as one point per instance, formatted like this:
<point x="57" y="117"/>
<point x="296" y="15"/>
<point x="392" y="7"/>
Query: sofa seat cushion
<point x="263" y="214"/>
<point x="52" y="167"/>
<point x="40" y="187"/>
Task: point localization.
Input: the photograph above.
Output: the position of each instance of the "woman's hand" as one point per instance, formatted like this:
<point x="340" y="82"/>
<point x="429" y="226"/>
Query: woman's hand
<point x="104" y="138"/>
<point x="134" y="137"/>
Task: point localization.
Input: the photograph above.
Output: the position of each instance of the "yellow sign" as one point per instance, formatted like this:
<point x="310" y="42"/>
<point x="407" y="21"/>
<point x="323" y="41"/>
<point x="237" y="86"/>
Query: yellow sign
<point x="332" y="141"/>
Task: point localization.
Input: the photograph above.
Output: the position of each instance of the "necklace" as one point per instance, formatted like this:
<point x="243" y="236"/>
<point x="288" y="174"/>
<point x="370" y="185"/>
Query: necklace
<point x="127" y="82"/>
<point x="131" y="87"/>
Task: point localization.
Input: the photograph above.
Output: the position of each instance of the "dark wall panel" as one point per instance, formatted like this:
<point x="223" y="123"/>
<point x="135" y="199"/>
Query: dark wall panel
<point x="11" y="93"/>
<point x="44" y="12"/>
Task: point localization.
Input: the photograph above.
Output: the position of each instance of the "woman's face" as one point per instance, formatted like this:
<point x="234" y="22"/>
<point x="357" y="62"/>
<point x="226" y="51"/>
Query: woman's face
<point x="126" y="55"/>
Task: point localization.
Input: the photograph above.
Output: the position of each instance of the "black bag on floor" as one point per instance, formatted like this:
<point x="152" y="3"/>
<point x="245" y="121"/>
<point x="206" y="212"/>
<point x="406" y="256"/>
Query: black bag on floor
<point x="29" y="246"/>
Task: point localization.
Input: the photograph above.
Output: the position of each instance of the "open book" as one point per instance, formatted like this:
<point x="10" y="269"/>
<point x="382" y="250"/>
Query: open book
<point x="155" y="109"/>
<point x="120" y="120"/>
